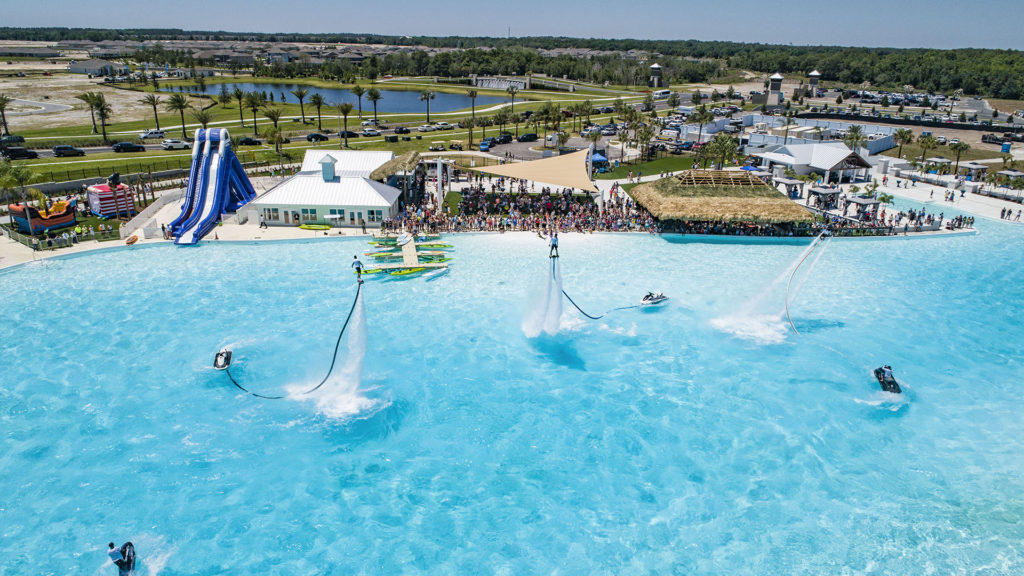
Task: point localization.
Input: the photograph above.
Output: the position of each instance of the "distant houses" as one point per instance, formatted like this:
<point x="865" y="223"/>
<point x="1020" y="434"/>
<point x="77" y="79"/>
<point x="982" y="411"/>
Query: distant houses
<point x="97" y="67"/>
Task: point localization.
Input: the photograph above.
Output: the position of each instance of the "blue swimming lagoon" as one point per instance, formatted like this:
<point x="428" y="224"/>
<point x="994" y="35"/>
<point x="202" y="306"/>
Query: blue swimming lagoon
<point x="476" y="425"/>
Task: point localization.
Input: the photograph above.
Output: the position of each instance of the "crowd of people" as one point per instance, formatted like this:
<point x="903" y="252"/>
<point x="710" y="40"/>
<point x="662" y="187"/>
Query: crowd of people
<point x="507" y="204"/>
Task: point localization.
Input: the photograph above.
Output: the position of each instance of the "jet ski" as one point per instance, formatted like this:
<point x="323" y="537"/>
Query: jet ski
<point x="888" y="383"/>
<point x="126" y="566"/>
<point x="652" y="298"/>
<point x="222" y="361"/>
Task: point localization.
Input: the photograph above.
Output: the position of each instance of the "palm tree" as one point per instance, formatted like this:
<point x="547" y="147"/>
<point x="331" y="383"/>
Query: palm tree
<point x="152" y="100"/>
<point x="103" y="111"/>
<point x="345" y="108"/>
<point x="239" y="97"/>
<point x="723" y="148"/>
<point x="254" y="101"/>
<point x="374" y="96"/>
<point x="959" y="148"/>
<point x="224" y="97"/>
<point x="788" y="121"/>
<point x="275" y="136"/>
<point x="89" y="98"/>
<point x="4" y="101"/>
<point x="201" y="87"/>
<point x="469" y="124"/>
<point x="854" y="137"/>
<point x="903" y="136"/>
<point x="272" y="113"/>
<point x="317" y="100"/>
<point x="927" y="143"/>
<point x="472" y="99"/>
<point x="202" y="116"/>
<point x="178" y="103"/>
<point x="359" y="91"/>
<point x="701" y="117"/>
<point x="427" y="96"/>
<point x="300" y="95"/>
<point x="512" y="91"/>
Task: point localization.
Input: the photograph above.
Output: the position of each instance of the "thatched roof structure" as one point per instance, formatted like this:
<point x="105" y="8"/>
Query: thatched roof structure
<point x="718" y="196"/>
<point x="405" y="163"/>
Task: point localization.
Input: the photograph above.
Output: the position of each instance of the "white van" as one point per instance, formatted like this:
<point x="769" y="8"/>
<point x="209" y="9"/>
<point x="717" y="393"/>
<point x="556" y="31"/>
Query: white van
<point x="152" y="133"/>
<point x="661" y="94"/>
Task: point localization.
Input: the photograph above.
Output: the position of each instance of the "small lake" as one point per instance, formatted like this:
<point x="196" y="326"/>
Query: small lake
<point x="391" y="102"/>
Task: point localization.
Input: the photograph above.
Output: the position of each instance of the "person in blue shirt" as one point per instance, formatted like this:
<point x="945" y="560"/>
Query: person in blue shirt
<point x="553" y="252"/>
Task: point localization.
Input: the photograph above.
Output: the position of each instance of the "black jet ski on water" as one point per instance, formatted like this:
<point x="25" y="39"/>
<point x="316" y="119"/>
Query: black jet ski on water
<point x="126" y="564"/>
<point x="652" y="298"/>
<point x="886" y="381"/>
<point x="222" y="361"/>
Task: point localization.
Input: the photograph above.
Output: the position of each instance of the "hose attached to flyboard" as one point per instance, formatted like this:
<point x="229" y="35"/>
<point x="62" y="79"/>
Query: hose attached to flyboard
<point x="575" y="305"/>
<point x="334" y="357"/>
<point x="815" y="245"/>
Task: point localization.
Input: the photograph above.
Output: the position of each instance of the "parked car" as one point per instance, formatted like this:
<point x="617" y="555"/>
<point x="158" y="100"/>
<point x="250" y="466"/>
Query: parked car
<point x="443" y="126"/>
<point x="12" y="139"/>
<point x="249" y="141"/>
<point x="316" y="137"/>
<point x="608" y="132"/>
<point x="175" y="145"/>
<point x="528" y="137"/>
<point x="370" y="132"/>
<point x="954" y="141"/>
<point x="348" y="134"/>
<point x="19" y="153"/>
<point x="401" y="130"/>
<point x="941" y="140"/>
<point x="62" y="150"/>
<point x="485" y="146"/>
<point x="426" y="128"/>
<point x="504" y="138"/>
<point x="152" y="134"/>
<point x="128" y="147"/>
<point x="370" y="122"/>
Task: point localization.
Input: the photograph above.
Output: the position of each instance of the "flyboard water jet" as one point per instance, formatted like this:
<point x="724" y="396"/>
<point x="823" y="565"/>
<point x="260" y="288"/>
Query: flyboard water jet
<point x="222" y="360"/>
<point x="814" y="246"/>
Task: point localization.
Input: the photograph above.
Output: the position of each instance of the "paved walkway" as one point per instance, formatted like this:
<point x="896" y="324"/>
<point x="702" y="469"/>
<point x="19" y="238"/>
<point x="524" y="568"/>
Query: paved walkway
<point x="40" y="107"/>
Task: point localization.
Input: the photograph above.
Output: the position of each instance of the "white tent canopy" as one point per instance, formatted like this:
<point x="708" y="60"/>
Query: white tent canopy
<point x="569" y="170"/>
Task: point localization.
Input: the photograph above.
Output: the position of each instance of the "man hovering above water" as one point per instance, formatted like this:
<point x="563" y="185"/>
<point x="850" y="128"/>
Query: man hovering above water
<point x="553" y="252"/>
<point x="359" y="268"/>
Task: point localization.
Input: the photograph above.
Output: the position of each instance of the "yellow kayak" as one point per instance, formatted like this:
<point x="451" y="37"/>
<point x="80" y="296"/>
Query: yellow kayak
<point x="407" y="271"/>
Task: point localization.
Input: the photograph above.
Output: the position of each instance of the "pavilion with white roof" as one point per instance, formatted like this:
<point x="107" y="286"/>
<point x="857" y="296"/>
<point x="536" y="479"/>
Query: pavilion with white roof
<point x="332" y="187"/>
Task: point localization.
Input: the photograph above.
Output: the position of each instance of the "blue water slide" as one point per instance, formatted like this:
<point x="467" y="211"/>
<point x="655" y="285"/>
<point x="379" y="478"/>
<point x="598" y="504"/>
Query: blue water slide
<point x="220" y="186"/>
<point x="212" y="210"/>
<point x="201" y="191"/>
<point x="190" y="189"/>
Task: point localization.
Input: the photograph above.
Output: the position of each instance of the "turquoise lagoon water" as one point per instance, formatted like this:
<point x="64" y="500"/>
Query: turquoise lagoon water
<point x="700" y="437"/>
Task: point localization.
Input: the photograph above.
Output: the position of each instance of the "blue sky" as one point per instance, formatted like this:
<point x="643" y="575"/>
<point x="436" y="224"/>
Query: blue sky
<point x="895" y="23"/>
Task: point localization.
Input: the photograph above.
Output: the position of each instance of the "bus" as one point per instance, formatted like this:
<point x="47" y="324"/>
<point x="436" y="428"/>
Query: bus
<point x="661" y="94"/>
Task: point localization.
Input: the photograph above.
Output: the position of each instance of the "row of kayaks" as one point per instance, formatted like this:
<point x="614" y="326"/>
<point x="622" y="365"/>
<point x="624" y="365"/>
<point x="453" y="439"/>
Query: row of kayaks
<point x="430" y="250"/>
<point x="397" y="240"/>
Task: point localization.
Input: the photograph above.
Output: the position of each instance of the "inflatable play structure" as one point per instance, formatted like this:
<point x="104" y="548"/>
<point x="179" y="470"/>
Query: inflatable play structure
<point x="108" y="201"/>
<point x="217" y="184"/>
<point x="31" y="221"/>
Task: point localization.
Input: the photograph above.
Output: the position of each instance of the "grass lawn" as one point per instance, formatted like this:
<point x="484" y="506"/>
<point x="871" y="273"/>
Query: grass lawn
<point x="451" y="201"/>
<point x="1005" y="106"/>
<point x="667" y="164"/>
